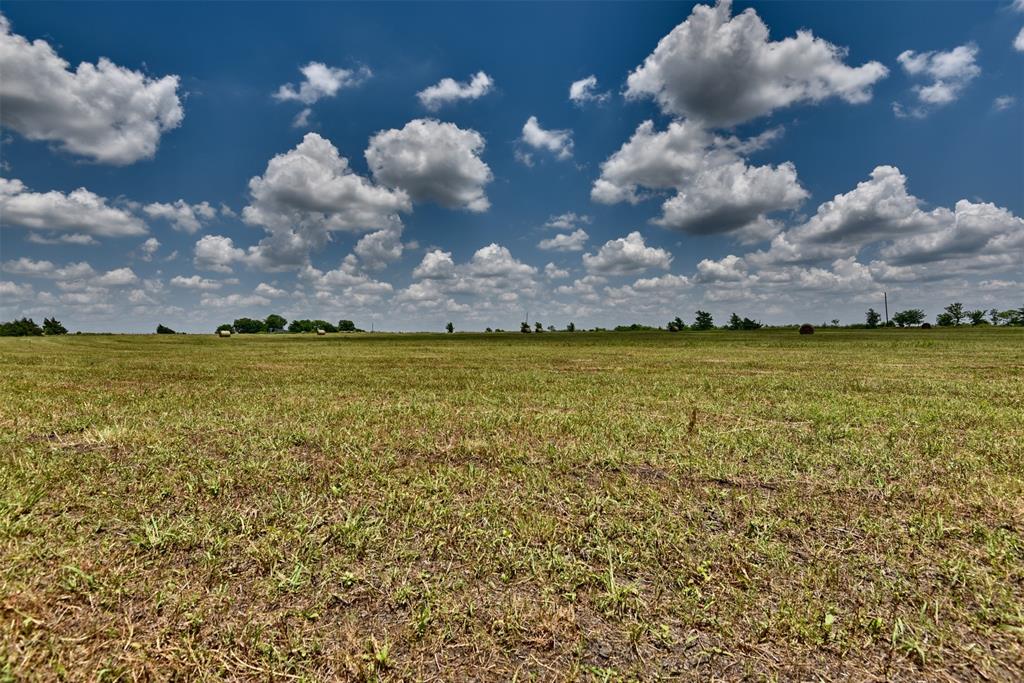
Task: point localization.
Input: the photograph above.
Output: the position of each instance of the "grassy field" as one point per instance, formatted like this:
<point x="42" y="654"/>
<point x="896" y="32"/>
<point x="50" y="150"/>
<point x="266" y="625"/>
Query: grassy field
<point x="762" y="505"/>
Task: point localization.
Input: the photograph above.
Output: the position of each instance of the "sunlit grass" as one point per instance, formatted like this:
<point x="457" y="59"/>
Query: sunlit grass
<point x="599" y="506"/>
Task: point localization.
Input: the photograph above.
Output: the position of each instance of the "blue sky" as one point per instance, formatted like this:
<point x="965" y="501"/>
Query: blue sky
<point x="248" y="158"/>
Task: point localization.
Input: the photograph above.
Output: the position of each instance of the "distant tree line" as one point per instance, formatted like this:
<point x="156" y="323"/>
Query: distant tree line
<point x="705" y="321"/>
<point x="953" y="315"/>
<point x="27" y="327"/>
<point x="274" y="323"/>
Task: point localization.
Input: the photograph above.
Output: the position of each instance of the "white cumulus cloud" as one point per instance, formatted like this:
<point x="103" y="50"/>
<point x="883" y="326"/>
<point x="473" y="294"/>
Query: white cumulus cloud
<point x="724" y="70"/>
<point x="310" y="191"/>
<point x="625" y="255"/>
<point x="195" y="282"/>
<point x="320" y="81"/>
<point x="78" y="210"/>
<point x="182" y="215"/>
<point x="585" y="90"/>
<point x="716" y="191"/>
<point x="558" y="142"/>
<point x="432" y="161"/>
<point x="101" y="111"/>
<point x="573" y="241"/>
<point x="449" y="90"/>
<point x="947" y="74"/>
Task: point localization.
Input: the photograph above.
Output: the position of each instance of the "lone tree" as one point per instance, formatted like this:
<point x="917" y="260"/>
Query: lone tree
<point x="524" y="327"/>
<point x="53" y="326"/>
<point x="873" y="318"/>
<point x="249" y="326"/>
<point x="346" y="326"/>
<point x="274" y="323"/>
<point x="571" y="327"/>
<point x="735" y="322"/>
<point x="163" y="329"/>
<point x="703" y="321"/>
<point x="977" y="317"/>
<point x="956" y="312"/>
<point x="909" y="317"/>
<point x="450" y="328"/>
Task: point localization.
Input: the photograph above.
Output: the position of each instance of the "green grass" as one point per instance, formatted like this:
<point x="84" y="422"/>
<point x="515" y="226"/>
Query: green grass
<point x="513" y="507"/>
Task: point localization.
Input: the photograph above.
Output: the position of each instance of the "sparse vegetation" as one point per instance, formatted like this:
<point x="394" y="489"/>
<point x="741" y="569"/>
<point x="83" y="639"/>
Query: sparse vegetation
<point x="716" y="506"/>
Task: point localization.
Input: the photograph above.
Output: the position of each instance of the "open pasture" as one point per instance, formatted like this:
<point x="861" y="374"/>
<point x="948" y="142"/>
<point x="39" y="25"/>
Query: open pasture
<point x="847" y="505"/>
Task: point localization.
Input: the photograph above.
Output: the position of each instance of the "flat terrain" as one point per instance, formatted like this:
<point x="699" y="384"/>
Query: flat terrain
<point x="845" y="506"/>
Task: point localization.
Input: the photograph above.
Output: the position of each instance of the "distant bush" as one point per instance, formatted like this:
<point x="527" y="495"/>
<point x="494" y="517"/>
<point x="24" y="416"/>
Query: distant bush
<point x="926" y="326"/>
<point x="163" y="329"/>
<point x="635" y="327"/>
<point x="806" y="329"/>
<point x="26" y="327"/>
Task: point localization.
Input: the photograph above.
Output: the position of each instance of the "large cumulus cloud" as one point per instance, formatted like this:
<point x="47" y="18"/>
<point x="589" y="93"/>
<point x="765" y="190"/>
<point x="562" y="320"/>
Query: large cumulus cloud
<point x="105" y="112"/>
<point x="432" y="161"/>
<point x="724" y="70"/>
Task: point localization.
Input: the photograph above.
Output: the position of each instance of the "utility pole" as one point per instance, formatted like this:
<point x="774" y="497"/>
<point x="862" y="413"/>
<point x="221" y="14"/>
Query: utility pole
<point x="885" y="297"/>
